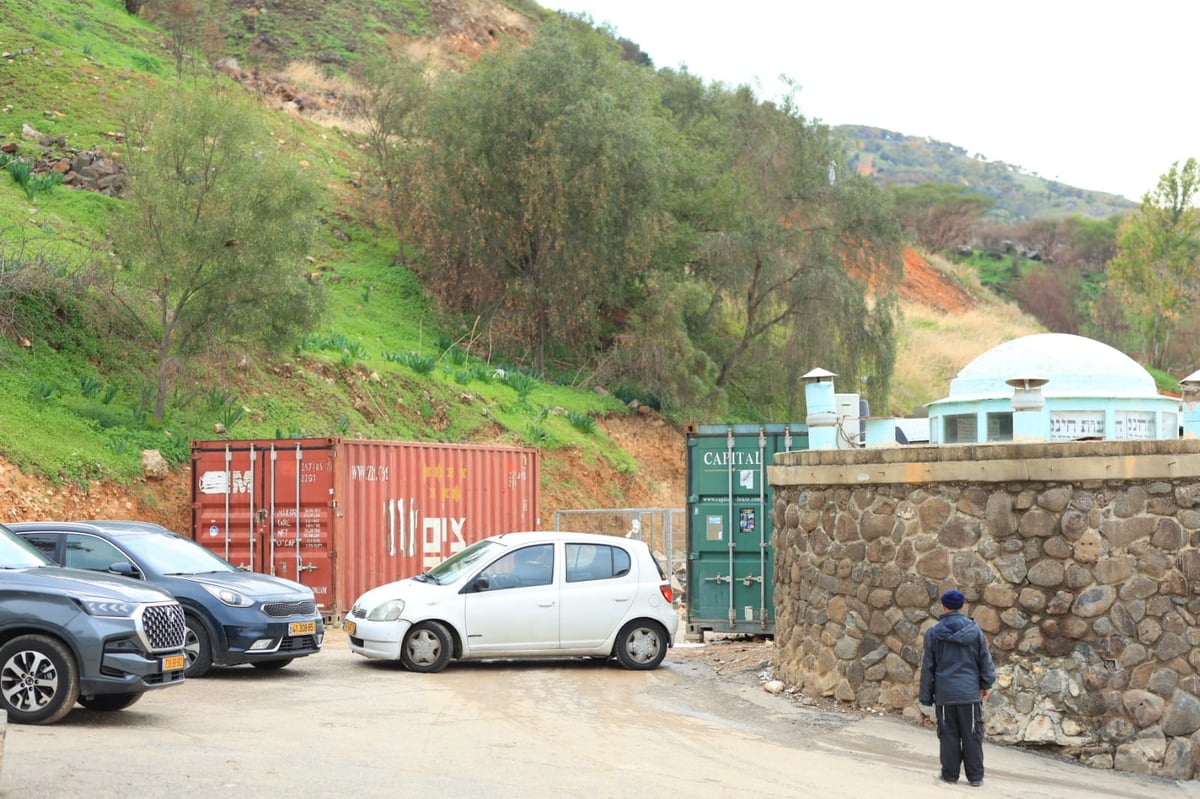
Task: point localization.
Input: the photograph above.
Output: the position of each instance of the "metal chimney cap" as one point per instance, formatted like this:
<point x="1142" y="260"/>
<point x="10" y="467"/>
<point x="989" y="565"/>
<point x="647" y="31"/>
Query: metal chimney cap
<point x="1027" y="383"/>
<point x="818" y="374"/>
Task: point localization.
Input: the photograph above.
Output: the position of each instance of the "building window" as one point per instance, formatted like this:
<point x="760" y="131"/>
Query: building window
<point x="1000" y="426"/>
<point x="962" y="428"/>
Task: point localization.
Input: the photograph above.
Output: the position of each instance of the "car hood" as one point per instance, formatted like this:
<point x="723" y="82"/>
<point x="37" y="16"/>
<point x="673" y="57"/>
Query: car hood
<point x="409" y="590"/>
<point x="81" y="582"/>
<point x="252" y="584"/>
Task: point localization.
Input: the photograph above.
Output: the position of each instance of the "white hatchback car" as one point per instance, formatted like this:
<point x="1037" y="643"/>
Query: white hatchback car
<point x="537" y="594"/>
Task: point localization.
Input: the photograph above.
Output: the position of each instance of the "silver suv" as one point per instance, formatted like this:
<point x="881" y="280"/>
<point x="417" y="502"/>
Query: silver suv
<point x="68" y="636"/>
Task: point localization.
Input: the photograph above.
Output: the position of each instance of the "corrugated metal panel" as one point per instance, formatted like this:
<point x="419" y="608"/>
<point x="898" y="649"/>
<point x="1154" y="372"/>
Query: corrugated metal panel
<point x="408" y="507"/>
<point x="731" y="564"/>
<point x="343" y="516"/>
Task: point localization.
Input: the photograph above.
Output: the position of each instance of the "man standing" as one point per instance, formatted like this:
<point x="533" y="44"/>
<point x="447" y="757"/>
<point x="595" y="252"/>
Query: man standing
<point x="956" y="673"/>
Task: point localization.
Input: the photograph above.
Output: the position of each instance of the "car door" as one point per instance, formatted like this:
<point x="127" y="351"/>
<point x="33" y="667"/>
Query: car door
<point x="597" y="594"/>
<point x="518" y="612"/>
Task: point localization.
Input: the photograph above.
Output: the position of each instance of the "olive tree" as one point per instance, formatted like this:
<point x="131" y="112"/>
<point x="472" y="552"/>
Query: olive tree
<point x="541" y="184"/>
<point x="213" y="229"/>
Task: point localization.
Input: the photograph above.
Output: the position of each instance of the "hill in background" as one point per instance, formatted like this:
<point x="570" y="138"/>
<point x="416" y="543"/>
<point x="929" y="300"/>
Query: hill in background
<point x="894" y="159"/>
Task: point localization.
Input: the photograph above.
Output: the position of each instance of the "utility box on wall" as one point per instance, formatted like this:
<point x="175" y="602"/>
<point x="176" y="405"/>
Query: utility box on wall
<point x="731" y="571"/>
<point x="343" y="516"/>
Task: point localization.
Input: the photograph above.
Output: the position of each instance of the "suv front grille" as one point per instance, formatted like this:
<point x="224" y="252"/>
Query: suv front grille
<point x="163" y="626"/>
<point x="302" y="608"/>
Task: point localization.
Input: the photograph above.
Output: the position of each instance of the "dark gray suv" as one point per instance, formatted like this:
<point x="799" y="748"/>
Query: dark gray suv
<point x="68" y="635"/>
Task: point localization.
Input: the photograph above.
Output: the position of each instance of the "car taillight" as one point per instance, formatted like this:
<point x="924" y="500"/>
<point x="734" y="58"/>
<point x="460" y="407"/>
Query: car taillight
<point x="667" y="593"/>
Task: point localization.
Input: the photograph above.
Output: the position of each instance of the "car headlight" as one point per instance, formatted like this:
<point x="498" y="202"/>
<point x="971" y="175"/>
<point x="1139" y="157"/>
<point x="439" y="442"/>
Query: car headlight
<point x="387" y="611"/>
<point x="228" y="596"/>
<point x="107" y="607"/>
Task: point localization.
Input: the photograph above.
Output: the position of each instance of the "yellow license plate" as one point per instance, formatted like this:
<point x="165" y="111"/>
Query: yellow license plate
<point x="302" y="628"/>
<point x="174" y="663"/>
<point x="350" y="627"/>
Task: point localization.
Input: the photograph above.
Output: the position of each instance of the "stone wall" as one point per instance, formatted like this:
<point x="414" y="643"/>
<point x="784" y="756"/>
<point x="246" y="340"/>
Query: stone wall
<point x="1080" y="561"/>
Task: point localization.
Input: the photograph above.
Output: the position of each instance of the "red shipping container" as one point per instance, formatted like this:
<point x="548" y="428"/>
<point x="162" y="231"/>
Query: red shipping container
<point x="344" y="516"/>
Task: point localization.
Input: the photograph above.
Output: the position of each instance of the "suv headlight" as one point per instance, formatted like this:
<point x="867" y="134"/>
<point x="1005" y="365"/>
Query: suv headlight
<point x="387" y="611"/>
<point x="228" y="596"/>
<point x="107" y="607"/>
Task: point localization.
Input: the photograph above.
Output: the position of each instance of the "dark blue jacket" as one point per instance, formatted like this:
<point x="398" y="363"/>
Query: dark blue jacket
<point x="956" y="664"/>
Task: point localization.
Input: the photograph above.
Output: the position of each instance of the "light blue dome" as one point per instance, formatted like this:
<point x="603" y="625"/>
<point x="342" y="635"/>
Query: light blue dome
<point x="1074" y="366"/>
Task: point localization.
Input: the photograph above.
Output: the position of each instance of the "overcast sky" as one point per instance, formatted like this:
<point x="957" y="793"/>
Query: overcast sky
<point x="1098" y="96"/>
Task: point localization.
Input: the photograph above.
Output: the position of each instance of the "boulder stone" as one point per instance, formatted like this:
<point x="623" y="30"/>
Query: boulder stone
<point x="1182" y="716"/>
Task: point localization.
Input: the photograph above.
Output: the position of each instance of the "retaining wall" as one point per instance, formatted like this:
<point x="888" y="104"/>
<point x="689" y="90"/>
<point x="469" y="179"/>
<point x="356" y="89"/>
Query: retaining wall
<point x="1080" y="561"/>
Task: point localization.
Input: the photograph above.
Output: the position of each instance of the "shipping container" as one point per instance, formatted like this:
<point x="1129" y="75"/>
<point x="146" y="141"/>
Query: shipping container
<point x="343" y="516"/>
<point x="731" y="563"/>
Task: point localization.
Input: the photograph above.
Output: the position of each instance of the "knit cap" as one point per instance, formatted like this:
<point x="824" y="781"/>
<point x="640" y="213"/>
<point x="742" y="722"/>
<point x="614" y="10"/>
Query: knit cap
<point x="953" y="599"/>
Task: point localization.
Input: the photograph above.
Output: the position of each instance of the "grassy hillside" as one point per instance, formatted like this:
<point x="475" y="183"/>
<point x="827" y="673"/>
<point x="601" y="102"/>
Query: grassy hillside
<point x="77" y="367"/>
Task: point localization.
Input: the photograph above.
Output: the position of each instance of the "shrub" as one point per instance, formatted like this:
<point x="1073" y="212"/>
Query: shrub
<point x="89" y="386"/>
<point x="582" y="422"/>
<point x="421" y="364"/>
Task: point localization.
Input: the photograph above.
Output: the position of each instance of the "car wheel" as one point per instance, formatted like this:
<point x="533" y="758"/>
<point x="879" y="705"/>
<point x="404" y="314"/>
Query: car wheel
<point x="641" y="644"/>
<point x="426" y="648"/>
<point x="271" y="665"/>
<point x="197" y="648"/>
<point x="39" y="681"/>
<point x="110" y="702"/>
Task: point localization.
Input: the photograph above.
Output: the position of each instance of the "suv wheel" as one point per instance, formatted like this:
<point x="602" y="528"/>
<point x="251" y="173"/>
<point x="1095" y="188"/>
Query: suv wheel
<point x="39" y="682"/>
<point x="197" y="648"/>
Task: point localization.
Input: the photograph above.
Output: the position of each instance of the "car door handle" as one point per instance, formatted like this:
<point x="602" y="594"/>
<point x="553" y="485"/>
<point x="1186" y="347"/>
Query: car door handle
<point x="621" y="599"/>
<point x="545" y="604"/>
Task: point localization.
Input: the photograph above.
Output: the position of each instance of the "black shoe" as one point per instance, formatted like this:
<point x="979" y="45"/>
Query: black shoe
<point x="940" y="778"/>
<point x="976" y="783"/>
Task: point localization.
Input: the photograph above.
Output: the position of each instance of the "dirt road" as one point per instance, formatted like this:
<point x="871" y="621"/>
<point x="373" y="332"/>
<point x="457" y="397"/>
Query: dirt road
<point x="335" y="725"/>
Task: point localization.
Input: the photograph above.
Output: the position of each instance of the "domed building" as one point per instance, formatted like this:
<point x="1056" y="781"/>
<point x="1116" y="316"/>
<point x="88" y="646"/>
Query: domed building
<point x="1063" y="388"/>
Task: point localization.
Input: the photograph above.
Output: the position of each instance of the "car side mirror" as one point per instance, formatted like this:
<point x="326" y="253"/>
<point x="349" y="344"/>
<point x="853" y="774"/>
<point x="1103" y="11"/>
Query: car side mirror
<point x="481" y="583"/>
<point x="125" y="569"/>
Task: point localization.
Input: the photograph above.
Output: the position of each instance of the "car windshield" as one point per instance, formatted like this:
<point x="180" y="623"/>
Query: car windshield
<point x="16" y="553"/>
<point x="459" y="564"/>
<point x="171" y="553"/>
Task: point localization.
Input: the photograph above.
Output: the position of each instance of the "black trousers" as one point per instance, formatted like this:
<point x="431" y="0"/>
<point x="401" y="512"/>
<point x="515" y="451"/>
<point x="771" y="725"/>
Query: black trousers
<point x="960" y="735"/>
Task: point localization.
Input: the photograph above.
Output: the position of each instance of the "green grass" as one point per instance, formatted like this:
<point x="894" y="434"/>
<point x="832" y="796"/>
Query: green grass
<point x="383" y="364"/>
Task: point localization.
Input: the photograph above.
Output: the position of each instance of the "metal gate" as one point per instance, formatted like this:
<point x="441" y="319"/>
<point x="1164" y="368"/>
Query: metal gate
<point x="663" y="530"/>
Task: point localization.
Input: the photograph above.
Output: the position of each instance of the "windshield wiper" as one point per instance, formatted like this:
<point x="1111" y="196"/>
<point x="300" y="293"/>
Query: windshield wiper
<point x="427" y="577"/>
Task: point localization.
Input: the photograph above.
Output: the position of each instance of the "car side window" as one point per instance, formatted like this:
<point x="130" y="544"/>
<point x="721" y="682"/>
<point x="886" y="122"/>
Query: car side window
<point x="46" y="543"/>
<point x="89" y="552"/>
<point x="526" y="567"/>
<point x="595" y="562"/>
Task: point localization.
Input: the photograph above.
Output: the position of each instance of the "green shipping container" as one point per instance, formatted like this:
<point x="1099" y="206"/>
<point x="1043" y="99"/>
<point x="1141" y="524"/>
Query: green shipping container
<point x="731" y="563"/>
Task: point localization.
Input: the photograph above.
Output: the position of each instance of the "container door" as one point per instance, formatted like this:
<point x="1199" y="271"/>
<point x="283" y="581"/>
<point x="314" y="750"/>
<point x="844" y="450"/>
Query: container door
<point x="731" y="564"/>
<point x="265" y="506"/>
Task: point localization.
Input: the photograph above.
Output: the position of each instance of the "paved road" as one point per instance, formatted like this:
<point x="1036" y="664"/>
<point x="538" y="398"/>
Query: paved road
<point x="335" y="725"/>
